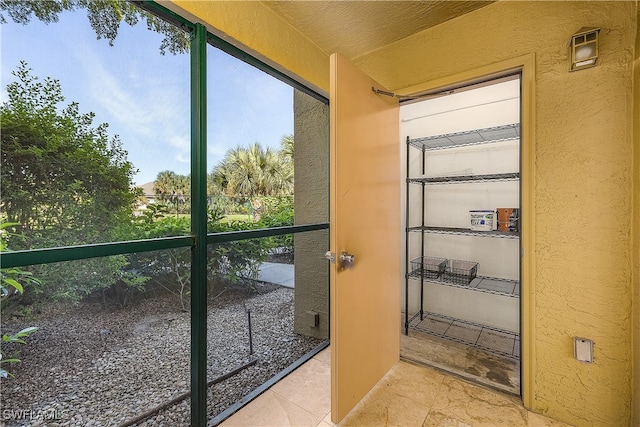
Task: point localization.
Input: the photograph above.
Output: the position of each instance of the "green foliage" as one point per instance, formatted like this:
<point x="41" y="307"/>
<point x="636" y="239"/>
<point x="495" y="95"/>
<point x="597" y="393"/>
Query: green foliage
<point x="105" y="17"/>
<point x="170" y="269"/>
<point x="152" y="213"/>
<point x="11" y="278"/>
<point x="250" y="176"/>
<point x="287" y="147"/>
<point x="163" y="227"/>
<point x="17" y="338"/>
<point x="230" y="260"/>
<point x="229" y="205"/>
<point x="129" y="283"/>
<point x="173" y="190"/>
<point x="64" y="181"/>
<point x="254" y="171"/>
<point x="74" y="280"/>
<point x="13" y="282"/>
<point x="278" y="212"/>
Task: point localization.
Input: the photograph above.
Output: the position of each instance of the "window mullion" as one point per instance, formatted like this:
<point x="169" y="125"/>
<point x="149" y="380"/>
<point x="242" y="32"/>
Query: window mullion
<point x="199" y="226"/>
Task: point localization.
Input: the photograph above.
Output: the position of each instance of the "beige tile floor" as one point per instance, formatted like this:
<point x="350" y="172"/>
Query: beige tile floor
<point x="409" y="395"/>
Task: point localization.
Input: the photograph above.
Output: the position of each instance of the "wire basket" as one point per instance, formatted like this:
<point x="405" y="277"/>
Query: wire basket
<point x="460" y="272"/>
<point x="429" y="267"/>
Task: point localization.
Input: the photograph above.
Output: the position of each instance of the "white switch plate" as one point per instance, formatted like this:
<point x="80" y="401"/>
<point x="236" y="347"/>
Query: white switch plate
<point x="583" y="349"/>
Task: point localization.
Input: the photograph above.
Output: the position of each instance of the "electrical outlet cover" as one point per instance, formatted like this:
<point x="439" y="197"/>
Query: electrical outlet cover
<point x="583" y="349"/>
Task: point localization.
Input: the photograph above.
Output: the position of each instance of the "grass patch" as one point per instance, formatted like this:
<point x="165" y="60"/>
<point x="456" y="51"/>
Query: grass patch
<point x="236" y="217"/>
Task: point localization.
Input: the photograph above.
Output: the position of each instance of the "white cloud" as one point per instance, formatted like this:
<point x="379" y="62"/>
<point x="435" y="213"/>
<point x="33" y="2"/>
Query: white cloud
<point x="180" y="141"/>
<point x="142" y="110"/>
<point x="180" y="157"/>
<point x="183" y="146"/>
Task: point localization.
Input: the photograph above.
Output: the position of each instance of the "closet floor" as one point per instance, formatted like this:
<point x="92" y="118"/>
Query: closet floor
<point x="467" y="361"/>
<point x="492" y="340"/>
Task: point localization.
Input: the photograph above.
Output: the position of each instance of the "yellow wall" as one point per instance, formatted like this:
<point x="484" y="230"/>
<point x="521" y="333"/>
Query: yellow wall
<point x="256" y="29"/>
<point x="583" y="185"/>
<point x="636" y="232"/>
<point x="584" y="172"/>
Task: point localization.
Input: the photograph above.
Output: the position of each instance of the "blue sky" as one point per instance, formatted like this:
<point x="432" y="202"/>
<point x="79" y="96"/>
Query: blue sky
<point x="144" y="96"/>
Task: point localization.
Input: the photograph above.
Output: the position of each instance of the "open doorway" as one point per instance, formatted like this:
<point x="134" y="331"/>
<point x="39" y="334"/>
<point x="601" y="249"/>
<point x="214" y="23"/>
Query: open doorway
<point x="461" y="306"/>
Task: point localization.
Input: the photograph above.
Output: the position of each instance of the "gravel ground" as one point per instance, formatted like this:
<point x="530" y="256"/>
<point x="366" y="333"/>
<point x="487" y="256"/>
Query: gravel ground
<point x="88" y="366"/>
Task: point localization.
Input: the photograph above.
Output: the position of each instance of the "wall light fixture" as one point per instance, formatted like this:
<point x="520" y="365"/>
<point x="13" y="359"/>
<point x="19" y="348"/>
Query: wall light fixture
<point x="584" y="48"/>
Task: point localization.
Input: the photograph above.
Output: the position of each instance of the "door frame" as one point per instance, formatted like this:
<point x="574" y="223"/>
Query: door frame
<point x="525" y="65"/>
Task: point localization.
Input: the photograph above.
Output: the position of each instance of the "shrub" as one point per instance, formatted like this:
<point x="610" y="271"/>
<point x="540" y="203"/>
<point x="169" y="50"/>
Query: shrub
<point x="12" y="282"/>
<point x="278" y="212"/>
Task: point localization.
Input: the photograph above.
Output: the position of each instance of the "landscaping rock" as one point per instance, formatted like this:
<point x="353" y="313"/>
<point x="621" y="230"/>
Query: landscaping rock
<point x="89" y="366"/>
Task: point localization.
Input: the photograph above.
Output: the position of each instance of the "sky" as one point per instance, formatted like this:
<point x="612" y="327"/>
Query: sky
<point x="144" y="96"/>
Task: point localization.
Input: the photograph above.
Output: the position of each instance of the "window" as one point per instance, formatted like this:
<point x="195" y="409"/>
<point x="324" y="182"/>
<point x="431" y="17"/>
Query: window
<point x="106" y="224"/>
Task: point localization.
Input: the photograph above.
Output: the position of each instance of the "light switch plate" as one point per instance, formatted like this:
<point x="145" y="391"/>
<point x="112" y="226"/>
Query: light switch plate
<point x="583" y="349"/>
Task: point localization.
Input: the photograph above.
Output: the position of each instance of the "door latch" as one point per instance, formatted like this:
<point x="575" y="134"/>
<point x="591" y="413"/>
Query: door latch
<point x="330" y="256"/>
<point x="346" y="259"/>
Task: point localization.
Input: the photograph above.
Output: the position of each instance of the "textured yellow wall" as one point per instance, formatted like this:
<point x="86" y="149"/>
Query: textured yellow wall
<point x="258" y="30"/>
<point x="583" y="184"/>
<point x="636" y="232"/>
<point x="311" y="177"/>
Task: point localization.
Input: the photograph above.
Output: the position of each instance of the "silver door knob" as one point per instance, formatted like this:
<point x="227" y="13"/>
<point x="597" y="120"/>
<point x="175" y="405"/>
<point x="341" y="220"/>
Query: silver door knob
<point x="347" y="260"/>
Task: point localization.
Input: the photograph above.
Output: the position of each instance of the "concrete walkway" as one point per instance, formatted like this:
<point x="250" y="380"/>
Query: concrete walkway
<point x="280" y="274"/>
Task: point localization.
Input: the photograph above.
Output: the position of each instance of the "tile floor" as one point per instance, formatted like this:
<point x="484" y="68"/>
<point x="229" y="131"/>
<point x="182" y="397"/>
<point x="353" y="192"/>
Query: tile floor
<point x="463" y="361"/>
<point x="409" y="395"/>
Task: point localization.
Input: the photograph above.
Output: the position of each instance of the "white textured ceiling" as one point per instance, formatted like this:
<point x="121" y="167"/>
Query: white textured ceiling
<point x="354" y="28"/>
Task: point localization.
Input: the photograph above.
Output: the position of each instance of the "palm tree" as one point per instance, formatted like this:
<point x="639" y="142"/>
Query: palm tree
<point x="163" y="186"/>
<point x="254" y="171"/>
<point x="182" y="187"/>
<point x="286" y="146"/>
<point x="172" y="188"/>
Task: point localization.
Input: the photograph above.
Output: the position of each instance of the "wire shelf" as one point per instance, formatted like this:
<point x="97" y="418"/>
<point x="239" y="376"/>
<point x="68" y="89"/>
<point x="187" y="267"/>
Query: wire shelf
<point x="491" y="285"/>
<point x="468" y="138"/>
<point x="465" y="232"/>
<point x="488" y="338"/>
<point x="465" y="179"/>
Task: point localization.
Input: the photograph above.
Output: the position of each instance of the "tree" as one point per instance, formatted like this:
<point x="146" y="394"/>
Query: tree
<point x="254" y="171"/>
<point x="104" y="16"/>
<point x="63" y="180"/>
<point x="287" y="147"/>
<point x="171" y="188"/>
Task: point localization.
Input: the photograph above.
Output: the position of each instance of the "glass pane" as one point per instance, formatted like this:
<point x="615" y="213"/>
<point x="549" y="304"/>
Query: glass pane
<point x="112" y="341"/>
<point x="250" y="143"/>
<point x="268" y="161"/>
<point x="268" y="307"/>
<point x="87" y="127"/>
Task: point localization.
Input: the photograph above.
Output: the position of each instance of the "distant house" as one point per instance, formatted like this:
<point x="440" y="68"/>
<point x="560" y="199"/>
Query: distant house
<point x="148" y="195"/>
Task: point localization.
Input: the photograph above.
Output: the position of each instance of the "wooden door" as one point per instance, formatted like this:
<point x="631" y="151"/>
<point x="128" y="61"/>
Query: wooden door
<point x="365" y="221"/>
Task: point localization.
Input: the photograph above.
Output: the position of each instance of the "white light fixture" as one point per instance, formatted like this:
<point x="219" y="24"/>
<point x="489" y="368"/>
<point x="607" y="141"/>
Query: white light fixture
<point x="584" y="48"/>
